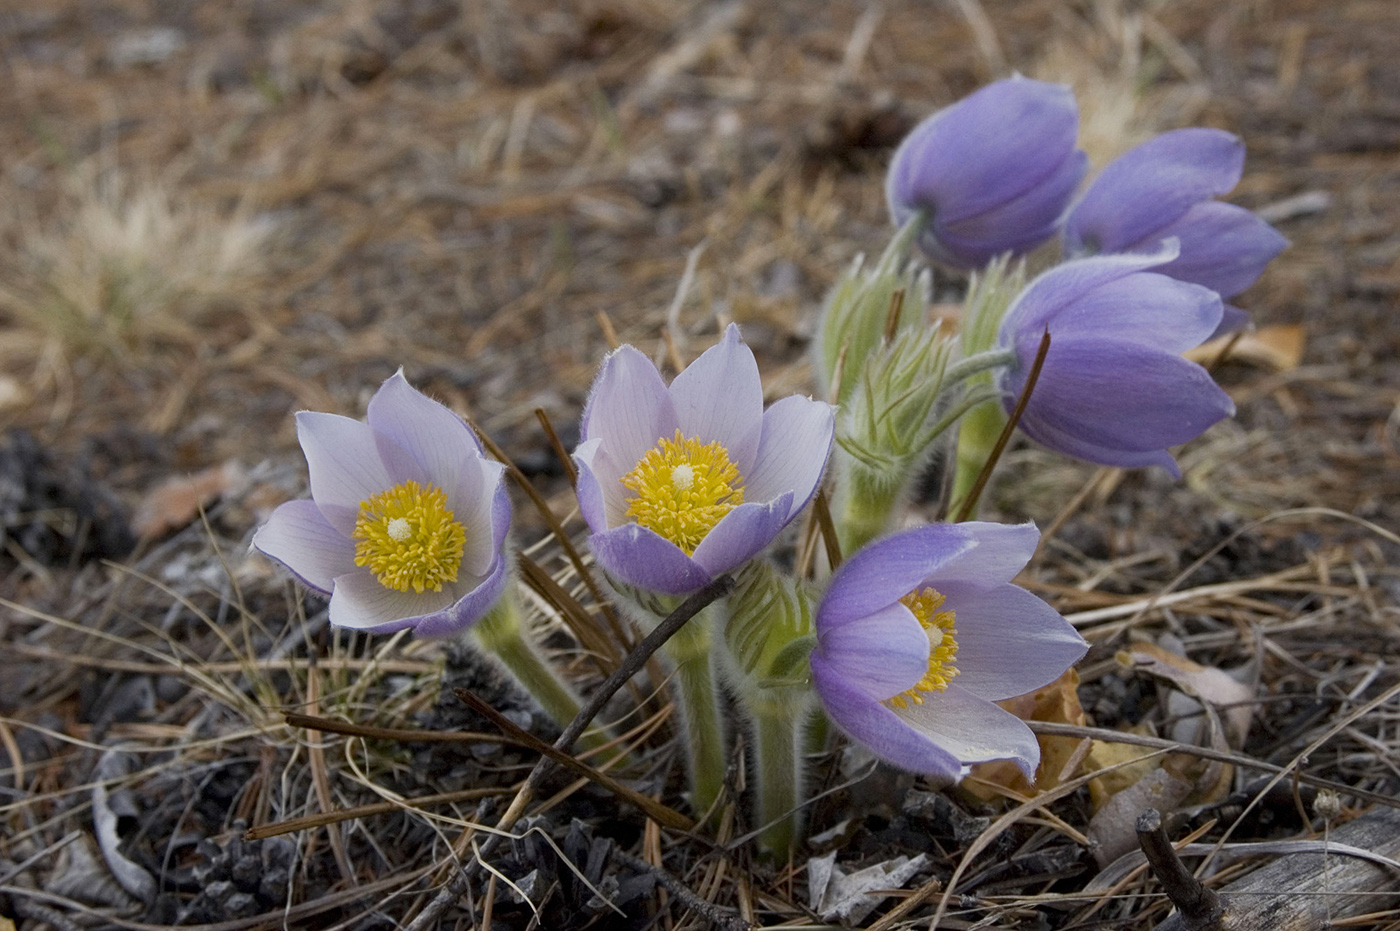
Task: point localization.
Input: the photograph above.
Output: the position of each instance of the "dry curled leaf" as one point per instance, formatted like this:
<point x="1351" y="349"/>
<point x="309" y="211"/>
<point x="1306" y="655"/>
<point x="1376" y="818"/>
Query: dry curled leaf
<point x="1215" y="687"/>
<point x="849" y="898"/>
<point x="176" y="501"/>
<point x="1278" y="346"/>
<point x="1057" y="702"/>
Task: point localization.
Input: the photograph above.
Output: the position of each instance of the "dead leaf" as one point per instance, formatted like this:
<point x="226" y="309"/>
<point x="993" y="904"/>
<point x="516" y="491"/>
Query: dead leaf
<point x="1217" y="687"/>
<point x="1057" y="702"/>
<point x="176" y="501"/>
<point x="1277" y="346"/>
<point x="838" y="896"/>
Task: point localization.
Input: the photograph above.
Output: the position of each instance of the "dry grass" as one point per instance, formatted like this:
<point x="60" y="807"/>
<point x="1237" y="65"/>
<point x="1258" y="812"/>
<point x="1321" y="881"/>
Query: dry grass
<point x="298" y="200"/>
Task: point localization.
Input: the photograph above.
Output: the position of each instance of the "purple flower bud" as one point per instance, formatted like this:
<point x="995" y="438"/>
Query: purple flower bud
<point x="995" y="171"/>
<point x="1163" y="189"/>
<point x="406" y="520"/>
<point x="919" y="633"/>
<point x="1114" y="388"/>
<point x="681" y="484"/>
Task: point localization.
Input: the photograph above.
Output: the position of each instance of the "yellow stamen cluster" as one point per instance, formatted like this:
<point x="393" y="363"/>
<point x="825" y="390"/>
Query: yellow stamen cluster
<point x="409" y="538"/>
<point x="683" y="487"/>
<point x="943" y="645"/>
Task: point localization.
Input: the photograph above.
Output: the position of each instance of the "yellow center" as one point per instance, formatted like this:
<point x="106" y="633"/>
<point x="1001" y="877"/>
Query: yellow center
<point x="943" y="645"/>
<point x="409" y="538"/>
<point x="683" y="487"/>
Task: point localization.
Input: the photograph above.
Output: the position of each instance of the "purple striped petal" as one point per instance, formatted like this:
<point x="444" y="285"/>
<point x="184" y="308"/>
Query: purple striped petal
<point x="1147" y="308"/>
<point x="1223" y="247"/>
<point x="592" y="502"/>
<point x="437" y="441"/>
<point x="888" y="569"/>
<point x="1151" y="186"/>
<point x="359" y="602"/>
<point x="629" y="409"/>
<point x="343" y="458"/>
<point x="1052" y="292"/>
<point x="471" y="605"/>
<point x="742" y="534"/>
<point x="797" y="436"/>
<point x="300" y="538"/>
<point x="1000" y="551"/>
<point x="641" y="557"/>
<point x="880" y="654"/>
<point x="719" y="398"/>
<point x="1009" y="641"/>
<point x="972" y="730"/>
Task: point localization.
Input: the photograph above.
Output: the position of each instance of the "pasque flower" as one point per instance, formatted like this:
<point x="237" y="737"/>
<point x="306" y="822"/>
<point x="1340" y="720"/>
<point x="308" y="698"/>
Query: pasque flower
<point x="1164" y="189"/>
<point x="920" y="632"/>
<point x="680" y="484"/>
<point x="406" y="519"/>
<point x="1114" y="388"/>
<point x="995" y="171"/>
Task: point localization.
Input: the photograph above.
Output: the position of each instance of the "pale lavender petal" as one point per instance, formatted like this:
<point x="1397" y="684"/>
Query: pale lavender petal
<point x="876" y="727"/>
<point x="591" y="501"/>
<point x="1123" y="395"/>
<point x="971" y="729"/>
<point x="1001" y="551"/>
<point x="879" y="655"/>
<point x="1009" y="641"/>
<point x="1223" y="247"/>
<point x="742" y="534"/>
<point x="360" y="602"/>
<point x="1070" y="444"/>
<point x="1151" y="186"/>
<point x="985" y="150"/>
<point x="641" y="557"/>
<point x="885" y="571"/>
<point x="797" y="435"/>
<point x="1051" y="292"/>
<point x="719" y="398"/>
<point x="1147" y="308"/>
<point x="629" y="409"/>
<point x="486" y="518"/>
<point x="343" y="458"/>
<point x="298" y="537"/>
<point x="436" y="439"/>
<point x="1233" y="320"/>
<point x="469" y="608"/>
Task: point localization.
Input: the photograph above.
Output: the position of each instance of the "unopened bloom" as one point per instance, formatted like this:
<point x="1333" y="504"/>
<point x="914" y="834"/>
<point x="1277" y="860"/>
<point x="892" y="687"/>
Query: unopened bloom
<point x="1164" y="189"/>
<point x="680" y="484"/>
<point x="995" y="171"/>
<point x="406" y="519"/>
<point x="920" y="632"/>
<point x="1114" y="388"/>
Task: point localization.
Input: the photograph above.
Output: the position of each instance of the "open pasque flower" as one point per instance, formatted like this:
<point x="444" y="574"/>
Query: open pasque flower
<point x="1164" y="189"/>
<point x="680" y="484"/>
<point x="995" y="171"/>
<point x="406" y="519"/>
<point x="920" y="632"/>
<point x="1114" y="388"/>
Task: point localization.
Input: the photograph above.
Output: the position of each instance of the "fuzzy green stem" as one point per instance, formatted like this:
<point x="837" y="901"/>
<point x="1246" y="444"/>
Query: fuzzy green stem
<point x="501" y="634"/>
<point x="868" y="500"/>
<point x="780" y="738"/>
<point x="697" y="700"/>
<point x="966" y="368"/>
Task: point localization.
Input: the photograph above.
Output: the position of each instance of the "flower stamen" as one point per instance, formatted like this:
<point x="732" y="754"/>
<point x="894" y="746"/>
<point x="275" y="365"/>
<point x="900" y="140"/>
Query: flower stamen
<point x="683" y="488"/>
<point x="943" y="645"/>
<point x="409" y="538"/>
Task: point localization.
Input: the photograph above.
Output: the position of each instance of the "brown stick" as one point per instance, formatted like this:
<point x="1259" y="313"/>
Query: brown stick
<point x="1198" y="907"/>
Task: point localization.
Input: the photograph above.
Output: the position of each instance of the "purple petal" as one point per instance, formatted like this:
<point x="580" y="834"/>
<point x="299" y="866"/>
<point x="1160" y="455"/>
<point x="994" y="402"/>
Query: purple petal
<point x="591" y="501"/>
<point x="1223" y="247"/>
<point x="359" y="602"/>
<point x="343" y="459"/>
<point x="1018" y="225"/>
<point x="876" y="727"/>
<point x="742" y="534"/>
<point x="641" y="557"/>
<point x="1123" y="395"/>
<point x="719" y="398"/>
<point x="1233" y="320"/>
<point x="437" y="440"/>
<point x="298" y="537"/>
<point x="469" y="608"/>
<point x="1009" y="641"/>
<point x="629" y="409"/>
<point x="887" y="570"/>
<point x="1068" y="443"/>
<point x="1151" y="186"/>
<point x="879" y="655"/>
<point x="972" y="729"/>
<point x="1000" y="552"/>
<point x="1052" y="291"/>
<point x="1146" y="307"/>
<point x="797" y="435"/>
<point x="486" y="517"/>
<point x="983" y="151"/>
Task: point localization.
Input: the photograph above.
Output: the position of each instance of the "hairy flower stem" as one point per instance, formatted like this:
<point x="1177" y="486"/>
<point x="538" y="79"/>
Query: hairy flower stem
<point x="697" y="701"/>
<point x="501" y="634"/>
<point x="867" y="502"/>
<point x="780" y="739"/>
<point x="977" y="435"/>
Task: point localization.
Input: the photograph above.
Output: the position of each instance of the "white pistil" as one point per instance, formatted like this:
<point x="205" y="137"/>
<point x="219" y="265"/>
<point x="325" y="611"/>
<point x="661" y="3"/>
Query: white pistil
<point x="399" y="529"/>
<point x="682" y="477"/>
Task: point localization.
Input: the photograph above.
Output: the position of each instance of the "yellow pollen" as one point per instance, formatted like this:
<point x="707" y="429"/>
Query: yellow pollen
<point x="683" y="487"/>
<point x="943" y="645"/>
<point x="409" y="538"/>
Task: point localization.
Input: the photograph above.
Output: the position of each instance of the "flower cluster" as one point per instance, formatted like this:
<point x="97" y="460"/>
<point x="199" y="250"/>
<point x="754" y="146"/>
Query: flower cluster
<point x="908" y="644"/>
